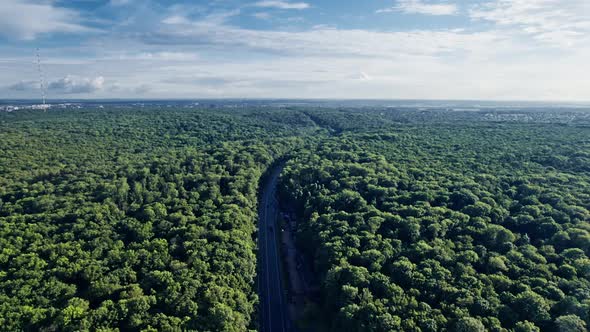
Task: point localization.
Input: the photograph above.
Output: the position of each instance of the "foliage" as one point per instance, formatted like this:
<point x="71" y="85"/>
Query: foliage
<point x="413" y="220"/>
<point x="459" y="225"/>
<point x="131" y="220"/>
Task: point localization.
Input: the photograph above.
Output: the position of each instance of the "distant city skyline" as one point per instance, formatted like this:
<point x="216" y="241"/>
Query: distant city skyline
<point x="404" y="49"/>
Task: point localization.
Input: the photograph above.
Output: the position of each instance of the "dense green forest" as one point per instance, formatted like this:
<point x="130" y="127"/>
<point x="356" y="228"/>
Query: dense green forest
<point x="133" y="219"/>
<point x="145" y="219"/>
<point x="429" y="225"/>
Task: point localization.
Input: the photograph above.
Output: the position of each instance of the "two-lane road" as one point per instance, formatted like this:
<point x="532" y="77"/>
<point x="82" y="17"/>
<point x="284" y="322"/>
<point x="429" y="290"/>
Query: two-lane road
<point x="274" y="314"/>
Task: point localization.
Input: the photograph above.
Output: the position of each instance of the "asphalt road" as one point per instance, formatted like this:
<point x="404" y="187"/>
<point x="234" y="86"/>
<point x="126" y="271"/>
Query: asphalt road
<point x="273" y="308"/>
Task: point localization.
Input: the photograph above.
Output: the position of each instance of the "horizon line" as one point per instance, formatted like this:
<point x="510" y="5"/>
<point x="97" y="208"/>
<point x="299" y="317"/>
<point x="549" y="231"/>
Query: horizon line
<point x="540" y="101"/>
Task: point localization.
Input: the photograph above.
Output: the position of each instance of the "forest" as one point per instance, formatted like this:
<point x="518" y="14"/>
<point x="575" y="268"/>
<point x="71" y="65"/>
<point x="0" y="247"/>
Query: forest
<point x="445" y="223"/>
<point x="144" y="219"/>
<point x="132" y="220"/>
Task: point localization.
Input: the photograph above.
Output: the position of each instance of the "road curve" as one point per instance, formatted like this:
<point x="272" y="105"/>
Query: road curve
<point x="274" y="316"/>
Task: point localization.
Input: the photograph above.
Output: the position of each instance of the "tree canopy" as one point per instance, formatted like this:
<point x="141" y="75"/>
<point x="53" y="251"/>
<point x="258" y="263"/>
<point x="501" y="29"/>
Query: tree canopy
<point x="144" y="219"/>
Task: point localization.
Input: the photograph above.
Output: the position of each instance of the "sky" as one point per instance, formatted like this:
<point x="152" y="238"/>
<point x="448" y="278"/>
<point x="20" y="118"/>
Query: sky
<point x="340" y="49"/>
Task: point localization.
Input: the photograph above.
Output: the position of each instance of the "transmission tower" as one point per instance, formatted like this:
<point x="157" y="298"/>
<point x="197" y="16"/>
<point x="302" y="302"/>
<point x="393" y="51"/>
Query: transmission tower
<point x="41" y="78"/>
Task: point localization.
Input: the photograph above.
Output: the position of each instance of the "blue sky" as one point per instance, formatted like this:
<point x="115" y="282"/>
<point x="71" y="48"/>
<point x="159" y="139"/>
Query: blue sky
<point x="384" y="49"/>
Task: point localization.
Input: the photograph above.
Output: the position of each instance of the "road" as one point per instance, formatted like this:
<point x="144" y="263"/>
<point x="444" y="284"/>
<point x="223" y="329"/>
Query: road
<point x="274" y="314"/>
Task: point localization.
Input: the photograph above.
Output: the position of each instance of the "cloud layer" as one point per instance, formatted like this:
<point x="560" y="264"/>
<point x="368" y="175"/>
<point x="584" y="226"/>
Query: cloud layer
<point x="25" y="19"/>
<point x="65" y="85"/>
<point x="282" y="4"/>
<point x="553" y="21"/>
<point x="420" y="7"/>
<point x="510" y="49"/>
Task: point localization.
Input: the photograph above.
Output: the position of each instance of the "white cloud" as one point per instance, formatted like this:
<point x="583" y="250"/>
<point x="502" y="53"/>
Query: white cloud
<point x="67" y="85"/>
<point x="154" y="56"/>
<point x="25" y="19"/>
<point x="178" y="56"/>
<point x="400" y="76"/>
<point x="420" y="7"/>
<point x="554" y="21"/>
<point x="323" y="40"/>
<point x="25" y="86"/>
<point x="364" y="76"/>
<point x="175" y="19"/>
<point x="73" y="84"/>
<point x="318" y="62"/>
<point x="262" y="15"/>
<point x="282" y="4"/>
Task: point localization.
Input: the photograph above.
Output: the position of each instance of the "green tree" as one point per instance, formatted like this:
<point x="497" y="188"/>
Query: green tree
<point x="469" y="324"/>
<point x="570" y="323"/>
